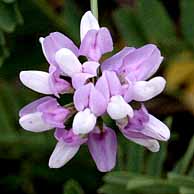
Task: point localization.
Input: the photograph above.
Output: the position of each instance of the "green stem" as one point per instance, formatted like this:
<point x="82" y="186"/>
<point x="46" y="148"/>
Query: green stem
<point x="94" y="7"/>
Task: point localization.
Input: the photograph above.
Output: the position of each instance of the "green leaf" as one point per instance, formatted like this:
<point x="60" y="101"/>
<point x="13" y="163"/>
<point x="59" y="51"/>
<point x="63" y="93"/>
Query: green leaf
<point x="8" y="1"/>
<point x="156" y="161"/>
<point x="72" y="19"/>
<point x="121" y="163"/>
<point x="128" y="26"/>
<point x="135" y="158"/>
<point x="72" y="187"/>
<point x="155" y="21"/>
<point x="146" y="185"/>
<point x="183" y="164"/>
<point x="184" y="190"/>
<point x="118" y="177"/>
<point x="56" y="19"/>
<point x="113" y="189"/>
<point x="10" y="101"/>
<point x="10" y="16"/>
<point x="5" y="120"/>
<point x="7" y="19"/>
<point x="187" y="15"/>
<point x="2" y="38"/>
<point x="17" y="13"/>
<point x="3" y="50"/>
<point x="180" y="180"/>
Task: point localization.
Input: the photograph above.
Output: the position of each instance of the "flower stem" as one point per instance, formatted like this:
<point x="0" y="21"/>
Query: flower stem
<point x="94" y="7"/>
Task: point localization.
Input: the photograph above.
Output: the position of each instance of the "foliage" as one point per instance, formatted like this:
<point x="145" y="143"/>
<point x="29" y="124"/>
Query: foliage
<point x="10" y="17"/>
<point x="24" y="155"/>
<point x="149" y="177"/>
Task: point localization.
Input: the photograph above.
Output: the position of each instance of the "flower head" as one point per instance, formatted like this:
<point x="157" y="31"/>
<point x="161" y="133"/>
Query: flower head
<point x="98" y="90"/>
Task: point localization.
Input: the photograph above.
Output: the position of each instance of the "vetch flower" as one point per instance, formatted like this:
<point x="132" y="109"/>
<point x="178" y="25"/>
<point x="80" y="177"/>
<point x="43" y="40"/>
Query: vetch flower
<point x="102" y="146"/>
<point x="134" y="66"/>
<point x="145" y="129"/>
<point x="53" y="43"/>
<point x="95" y="41"/>
<point x="44" y="82"/>
<point x="99" y="91"/>
<point x="91" y="104"/>
<point x="109" y="85"/>
<point x="42" y="115"/>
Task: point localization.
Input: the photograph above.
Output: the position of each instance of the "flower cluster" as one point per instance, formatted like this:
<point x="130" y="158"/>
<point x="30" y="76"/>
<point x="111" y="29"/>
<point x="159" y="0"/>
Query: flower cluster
<point x="99" y="90"/>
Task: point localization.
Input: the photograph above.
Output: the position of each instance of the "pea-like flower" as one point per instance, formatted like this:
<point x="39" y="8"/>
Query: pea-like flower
<point x="134" y="67"/>
<point x="99" y="90"/>
<point x="42" y="115"/>
<point x="144" y="129"/>
<point x="91" y="104"/>
<point x="95" y="41"/>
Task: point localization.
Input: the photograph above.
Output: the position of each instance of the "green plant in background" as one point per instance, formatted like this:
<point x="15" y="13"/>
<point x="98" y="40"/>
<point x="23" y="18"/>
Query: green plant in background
<point x="148" y="21"/>
<point x="145" y="173"/>
<point x="137" y="171"/>
<point x="10" y="17"/>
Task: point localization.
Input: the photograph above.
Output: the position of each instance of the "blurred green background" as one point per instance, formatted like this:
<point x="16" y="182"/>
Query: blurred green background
<point x="24" y="155"/>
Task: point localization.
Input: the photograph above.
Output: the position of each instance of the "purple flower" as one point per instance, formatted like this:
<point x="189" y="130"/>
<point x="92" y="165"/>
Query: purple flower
<point x="53" y="43"/>
<point x="109" y="85"/>
<point x="134" y="66"/>
<point x="95" y="94"/>
<point x="95" y="41"/>
<point x="90" y="103"/>
<point x="43" y="114"/>
<point x="103" y="148"/>
<point x="45" y="83"/>
<point x="68" y="145"/>
<point x="144" y="129"/>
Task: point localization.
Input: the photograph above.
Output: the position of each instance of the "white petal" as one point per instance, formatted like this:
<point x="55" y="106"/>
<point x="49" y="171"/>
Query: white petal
<point x="145" y="90"/>
<point x="118" y="108"/>
<point x="36" y="80"/>
<point x="88" y="22"/>
<point x="150" y="144"/>
<point x="84" y="122"/>
<point x="41" y="39"/>
<point x="62" y="154"/>
<point x="68" y="62"/>
<point x="34" y="122"/>
<point x="156" y="129"/>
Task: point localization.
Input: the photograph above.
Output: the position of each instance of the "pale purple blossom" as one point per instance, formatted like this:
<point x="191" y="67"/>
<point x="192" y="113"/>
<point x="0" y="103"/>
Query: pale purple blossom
<point x="43" y="114"/>
<point x="95" y="41"/>
<point x="110" y="87"/>
<point x="98" y="90"/>
<point x="90" y="103"/>
<point x="133" y="67"/>
<point x="46" y="82"/>
<point x="144" y="129"/>
<point x="54" y="42"/>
